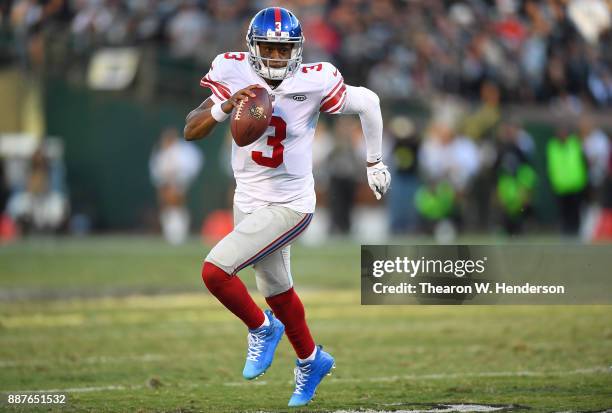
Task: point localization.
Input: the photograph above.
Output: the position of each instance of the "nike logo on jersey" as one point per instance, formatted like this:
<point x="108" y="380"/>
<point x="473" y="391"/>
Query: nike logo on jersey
<point x="335" y="73"/>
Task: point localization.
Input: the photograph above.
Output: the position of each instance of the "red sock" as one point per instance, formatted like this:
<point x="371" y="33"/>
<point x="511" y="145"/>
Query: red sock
<point x="289" y="309"/>
<point x="232" y="293"/>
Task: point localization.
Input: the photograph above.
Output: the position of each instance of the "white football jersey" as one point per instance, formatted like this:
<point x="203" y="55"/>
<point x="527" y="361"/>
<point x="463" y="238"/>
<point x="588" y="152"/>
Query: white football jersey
<point x="277" y="168"/>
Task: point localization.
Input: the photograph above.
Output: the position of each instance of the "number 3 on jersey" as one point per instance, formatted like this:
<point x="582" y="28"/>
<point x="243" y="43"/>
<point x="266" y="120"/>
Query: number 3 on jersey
<point x="275" y="141"/>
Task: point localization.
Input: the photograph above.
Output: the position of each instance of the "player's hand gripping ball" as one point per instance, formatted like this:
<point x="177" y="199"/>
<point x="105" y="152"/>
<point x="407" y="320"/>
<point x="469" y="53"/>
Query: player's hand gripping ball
<point x="251" y="115"/>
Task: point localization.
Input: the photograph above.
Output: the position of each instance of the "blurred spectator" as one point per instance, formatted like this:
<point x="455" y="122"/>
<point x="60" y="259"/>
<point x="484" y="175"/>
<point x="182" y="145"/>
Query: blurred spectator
<point x="390" y="80"/>
<point x="174" y="165"/>
<point x="600" y="84"/>
<point x="404" y="169"/>
<point x="516" y="177"/>
<point x="28" y="19"/>
<point x="596" y="146"/>
<point x="321" y="148"/>
<point x="481" y="122"/>
<point x="591" y="17"/>
<point x="603" y="227"/>
<point x="323" y="40"/>
<point x="447" y="156"/>
<point x="344" y="168"/>
<point x="448" y="163"/>
<point x="187" y="30"/>
<point x="98" y="23"/>
<point x="42" y="205"/>
<point x="8" y="231"/>
<point x="4" y="190"/>
<point x="568" y="175"/>
<point x="533" y="63"/>
<point x="230" y="22"/>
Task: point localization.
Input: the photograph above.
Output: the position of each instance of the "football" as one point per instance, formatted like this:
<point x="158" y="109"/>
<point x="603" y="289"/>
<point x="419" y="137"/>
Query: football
<point x="251" y="117"/>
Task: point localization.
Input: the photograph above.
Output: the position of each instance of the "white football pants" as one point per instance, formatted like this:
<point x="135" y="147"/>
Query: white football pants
<point x="262" y="239"/>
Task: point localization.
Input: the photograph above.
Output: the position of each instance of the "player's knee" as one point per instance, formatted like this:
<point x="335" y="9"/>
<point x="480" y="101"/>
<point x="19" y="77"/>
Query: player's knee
<point x="270" y="290"/>
<point x="270" y="284"/>
<point x="213" y="276"/>
<point x="225" y="254"/>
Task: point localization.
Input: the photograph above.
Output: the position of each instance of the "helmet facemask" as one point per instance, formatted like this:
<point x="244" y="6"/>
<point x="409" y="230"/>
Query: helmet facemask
<point x="262" y="64"/>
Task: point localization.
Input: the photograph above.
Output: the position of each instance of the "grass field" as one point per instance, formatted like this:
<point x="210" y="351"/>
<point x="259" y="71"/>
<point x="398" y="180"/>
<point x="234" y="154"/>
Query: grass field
<point x="125" y="324"/>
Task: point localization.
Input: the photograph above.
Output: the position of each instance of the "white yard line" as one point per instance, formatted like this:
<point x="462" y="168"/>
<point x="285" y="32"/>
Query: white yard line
<point x="436" y="376"/>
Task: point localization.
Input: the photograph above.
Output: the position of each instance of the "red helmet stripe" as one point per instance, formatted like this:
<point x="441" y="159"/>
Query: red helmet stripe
<point x="277" y="21"/>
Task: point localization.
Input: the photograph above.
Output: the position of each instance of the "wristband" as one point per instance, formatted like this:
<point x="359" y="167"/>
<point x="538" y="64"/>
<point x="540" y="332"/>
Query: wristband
<point x="217" y="113"/>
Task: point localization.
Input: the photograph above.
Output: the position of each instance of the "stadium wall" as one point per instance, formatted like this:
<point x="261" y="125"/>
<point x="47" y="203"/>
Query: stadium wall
<point x="108" y="141"/>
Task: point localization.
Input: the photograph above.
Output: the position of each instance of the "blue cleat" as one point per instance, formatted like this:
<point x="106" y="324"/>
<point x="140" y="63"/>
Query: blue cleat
<point x="262" y="344"/>
<point x="308" y="376"/>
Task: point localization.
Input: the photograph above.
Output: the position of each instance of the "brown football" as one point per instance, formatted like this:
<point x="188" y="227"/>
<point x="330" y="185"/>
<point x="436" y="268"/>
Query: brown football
<point x="251" y="117"/>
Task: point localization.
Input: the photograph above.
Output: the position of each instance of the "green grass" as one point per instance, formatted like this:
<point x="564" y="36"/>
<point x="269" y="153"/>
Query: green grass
<point x="104" y="332"/>
<point x="119" y="265"/>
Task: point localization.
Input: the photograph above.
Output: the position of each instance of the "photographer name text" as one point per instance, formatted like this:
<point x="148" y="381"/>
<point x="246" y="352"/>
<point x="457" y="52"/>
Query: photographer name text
<point x="477" y="287"/>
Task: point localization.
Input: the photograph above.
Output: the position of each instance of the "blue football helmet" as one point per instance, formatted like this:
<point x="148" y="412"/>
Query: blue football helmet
<point x="275" y="25"/>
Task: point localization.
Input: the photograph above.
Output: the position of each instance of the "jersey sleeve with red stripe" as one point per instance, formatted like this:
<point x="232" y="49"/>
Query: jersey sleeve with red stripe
<point x="214" y="81"/>
<point x="334" y="93"/>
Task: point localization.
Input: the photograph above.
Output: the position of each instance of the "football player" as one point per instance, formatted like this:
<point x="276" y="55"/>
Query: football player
<point x="274" y="199"/>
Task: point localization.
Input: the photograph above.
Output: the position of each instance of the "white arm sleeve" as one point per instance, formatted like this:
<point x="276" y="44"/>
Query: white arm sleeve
<point x="365" y="103"/>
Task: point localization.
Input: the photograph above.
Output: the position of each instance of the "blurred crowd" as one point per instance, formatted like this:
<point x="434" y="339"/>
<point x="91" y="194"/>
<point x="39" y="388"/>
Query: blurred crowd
<point x="548" y="50"/>
<point x="464" y="162"/>
<point x="447" y="181"/>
